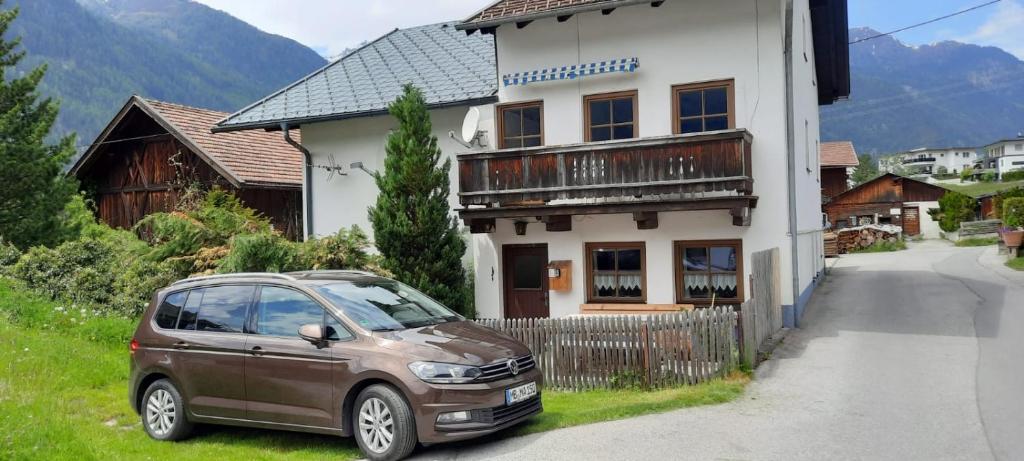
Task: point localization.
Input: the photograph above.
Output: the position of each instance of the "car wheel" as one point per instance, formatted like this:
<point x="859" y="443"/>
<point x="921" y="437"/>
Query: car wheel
<point x="163" y="412"/>
<point x="384" y="426"/>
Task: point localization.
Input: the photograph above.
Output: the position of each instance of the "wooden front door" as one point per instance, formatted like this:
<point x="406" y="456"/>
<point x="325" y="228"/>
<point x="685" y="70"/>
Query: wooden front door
<point x="911" y="221"/>
<point x="525" y="272"/>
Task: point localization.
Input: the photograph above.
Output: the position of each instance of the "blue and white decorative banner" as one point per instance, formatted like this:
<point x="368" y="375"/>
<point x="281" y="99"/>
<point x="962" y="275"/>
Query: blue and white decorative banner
<point x="572" y="72"/>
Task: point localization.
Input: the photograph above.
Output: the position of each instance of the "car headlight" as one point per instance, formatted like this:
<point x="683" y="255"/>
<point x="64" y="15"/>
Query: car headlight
<point x="444" y="373"/>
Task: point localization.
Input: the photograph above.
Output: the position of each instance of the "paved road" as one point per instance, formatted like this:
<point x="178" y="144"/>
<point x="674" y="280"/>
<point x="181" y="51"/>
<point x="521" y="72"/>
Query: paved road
<point x="912" y="355"/>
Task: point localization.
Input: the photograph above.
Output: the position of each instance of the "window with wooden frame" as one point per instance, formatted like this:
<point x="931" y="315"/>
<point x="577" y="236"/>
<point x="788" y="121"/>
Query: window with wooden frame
<point x="708" y="269"/>
<point x="707" y="106"/>
<point x="521" y="125"/>
<point x="616" y="272"/>
<point x="610" y="116"/>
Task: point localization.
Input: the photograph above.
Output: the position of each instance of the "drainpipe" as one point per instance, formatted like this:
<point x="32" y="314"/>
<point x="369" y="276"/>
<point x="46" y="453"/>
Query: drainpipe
<point x="791" y="161"/>
<point x="307" y="182"/>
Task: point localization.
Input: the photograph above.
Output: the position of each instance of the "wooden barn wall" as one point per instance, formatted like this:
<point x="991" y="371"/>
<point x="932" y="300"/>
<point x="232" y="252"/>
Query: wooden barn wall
<point x="843" y="211"/>
<point x="833" y="181"/>
<point x="879" y="190"/>
<point x="132" y="180"/>
<point x="914" y="191"/>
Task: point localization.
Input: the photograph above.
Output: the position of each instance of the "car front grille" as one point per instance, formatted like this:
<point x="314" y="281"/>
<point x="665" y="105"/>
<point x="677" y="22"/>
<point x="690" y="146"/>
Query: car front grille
<point x="500" y="415"/>
<point x="499" y="370"/>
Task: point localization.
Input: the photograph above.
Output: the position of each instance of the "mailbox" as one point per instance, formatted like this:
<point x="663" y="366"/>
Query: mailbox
<point x="560" y="275"/>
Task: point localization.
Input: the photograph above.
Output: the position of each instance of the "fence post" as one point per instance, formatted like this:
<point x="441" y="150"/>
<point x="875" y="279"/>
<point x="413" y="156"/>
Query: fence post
<point x="645" y="349"/>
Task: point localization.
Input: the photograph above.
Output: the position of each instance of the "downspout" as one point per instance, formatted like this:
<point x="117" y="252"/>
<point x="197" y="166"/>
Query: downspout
<point x="307" y="182"/>
<point x="791" y="164"/>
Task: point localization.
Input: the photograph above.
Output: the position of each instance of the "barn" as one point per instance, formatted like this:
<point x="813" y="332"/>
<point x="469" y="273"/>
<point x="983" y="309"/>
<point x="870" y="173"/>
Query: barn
<point x="887" y="199"/>
<point x="151" y="149"/>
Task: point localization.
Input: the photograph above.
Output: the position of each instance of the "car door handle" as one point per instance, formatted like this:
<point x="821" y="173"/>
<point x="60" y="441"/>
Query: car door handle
<point x="181" y="345"/>
<point x="256" y="350"/>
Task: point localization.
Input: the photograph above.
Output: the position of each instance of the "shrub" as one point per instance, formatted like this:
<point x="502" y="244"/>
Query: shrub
<point x="882" y="246"/>
<point x="9" y="253"/>
<point x="79" y="271"/>
<point x="954" y="208"/>
<point x="941" y="170"/>
<point x="988" y="176"/>
<point x="966" y="174"/>
<point x="1013" y="212"/>
<point x="348" y="249"/>
<point x="1013" y="176"/>
<point x="263" y="252"/>
<point x="997" y="200"/>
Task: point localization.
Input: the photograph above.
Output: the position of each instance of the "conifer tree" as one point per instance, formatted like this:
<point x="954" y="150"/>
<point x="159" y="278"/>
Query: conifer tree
<point x="33" y="188"/>
<point x="413" y="229"/>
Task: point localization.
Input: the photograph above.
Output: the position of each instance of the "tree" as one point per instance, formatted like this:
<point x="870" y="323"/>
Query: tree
<point x="34" y="189"/>
<point x="953" y="209"/>
<point x="417" y="237"/>
<point x="865" y="171"/>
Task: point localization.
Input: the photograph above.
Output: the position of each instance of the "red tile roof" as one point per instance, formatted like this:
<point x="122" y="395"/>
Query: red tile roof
<point x="507" y="10"/>
<point x="254" y="157"/>
<point x="838" y="154"/>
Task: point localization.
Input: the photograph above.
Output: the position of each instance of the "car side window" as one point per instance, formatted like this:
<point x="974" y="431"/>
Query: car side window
<point x="167" y="314"/>
<point x="336" y="331"/>
<point x="224" y="308"/>
<point x="281" y="311"/>
<point x="190" y="311"/>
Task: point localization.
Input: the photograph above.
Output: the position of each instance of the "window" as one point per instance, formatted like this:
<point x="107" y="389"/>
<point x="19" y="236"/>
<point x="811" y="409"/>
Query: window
<point x="384" y="305"/>
<point x="282" y="311"/>
<point x="703" y="107"/>
<point x="187" y="321"/>
<point x="610" y="116"/>
<point x="616" y="272"/>
<point x="706" y="269"/>
<point x="223" y="308"/>
<point x="167" y="313"/>
<point x="521" y="125"/>
<point x="336" y="331"/>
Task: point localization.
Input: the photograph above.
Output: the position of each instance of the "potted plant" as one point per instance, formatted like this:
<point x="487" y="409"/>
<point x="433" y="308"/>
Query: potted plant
<point x="1013" y="219"/>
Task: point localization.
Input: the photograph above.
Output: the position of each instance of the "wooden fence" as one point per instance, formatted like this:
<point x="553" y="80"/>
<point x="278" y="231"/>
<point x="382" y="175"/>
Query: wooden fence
<point x="589" y="352"/>
<point x="761" y="315"/>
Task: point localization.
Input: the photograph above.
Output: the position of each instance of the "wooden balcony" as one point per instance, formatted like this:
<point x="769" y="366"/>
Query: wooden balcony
<point x="668" y="173"/>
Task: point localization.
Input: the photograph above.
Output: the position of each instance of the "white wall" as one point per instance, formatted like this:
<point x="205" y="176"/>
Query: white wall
<point x="677" y="43"/>
<point x="341" y="201"/>
<point x="1008" y="163"/>
<point x="929" y="227"/>
<point x="703" y="225"/>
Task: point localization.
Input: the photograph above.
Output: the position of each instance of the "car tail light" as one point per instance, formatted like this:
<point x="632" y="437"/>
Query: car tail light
<point x="133" y="346"/>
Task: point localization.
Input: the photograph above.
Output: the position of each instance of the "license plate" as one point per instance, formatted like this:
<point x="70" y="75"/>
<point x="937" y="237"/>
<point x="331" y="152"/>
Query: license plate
<point x="519" y="393"/>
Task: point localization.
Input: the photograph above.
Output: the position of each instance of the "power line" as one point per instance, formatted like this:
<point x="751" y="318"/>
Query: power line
<point x="114" y="141"/>
<point x="927" y="22"/>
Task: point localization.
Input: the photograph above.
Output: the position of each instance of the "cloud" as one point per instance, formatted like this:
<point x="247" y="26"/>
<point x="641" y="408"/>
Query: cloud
<point x="331" y="26"/>
<point x="1004" y="28"/>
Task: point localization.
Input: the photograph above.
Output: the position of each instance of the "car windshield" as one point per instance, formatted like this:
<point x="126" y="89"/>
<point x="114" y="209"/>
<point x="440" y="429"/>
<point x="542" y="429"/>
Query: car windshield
<point x="386" y="305"/>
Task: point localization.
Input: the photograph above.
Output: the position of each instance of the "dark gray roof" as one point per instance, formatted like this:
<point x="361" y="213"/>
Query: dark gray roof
<point x="449" y="66"/>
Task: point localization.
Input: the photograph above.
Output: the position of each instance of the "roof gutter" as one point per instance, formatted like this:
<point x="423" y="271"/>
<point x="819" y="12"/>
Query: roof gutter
<point x="307" y="182"/>
<point x="791" y="162"/>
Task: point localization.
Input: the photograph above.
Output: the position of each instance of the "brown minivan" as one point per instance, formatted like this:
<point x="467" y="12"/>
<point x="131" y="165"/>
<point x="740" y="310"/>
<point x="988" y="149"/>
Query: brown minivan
<point x="334" y="352"/>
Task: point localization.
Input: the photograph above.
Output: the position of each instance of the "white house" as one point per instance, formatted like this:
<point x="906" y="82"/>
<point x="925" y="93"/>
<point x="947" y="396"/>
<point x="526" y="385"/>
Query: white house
<point x="1005" y="155"/>
<point x="646" y="148"/>
<point x="342" y="110"/>
<point x="926" y="161"/>
<point x="685" y="131"/>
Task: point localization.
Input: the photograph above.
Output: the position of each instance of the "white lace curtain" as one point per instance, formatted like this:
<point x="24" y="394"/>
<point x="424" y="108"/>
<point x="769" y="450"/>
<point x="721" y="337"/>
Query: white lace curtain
<point x="607" y="281"/>
<point x="705" y="281"/>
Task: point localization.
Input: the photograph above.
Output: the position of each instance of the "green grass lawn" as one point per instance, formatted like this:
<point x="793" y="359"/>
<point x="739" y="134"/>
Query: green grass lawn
<point x="882" y="247"/>
<point x="977" y="241"/>
<point x="63" y="395"/>
<point x="982" y="188"/>
<point x="1017" y="263"/>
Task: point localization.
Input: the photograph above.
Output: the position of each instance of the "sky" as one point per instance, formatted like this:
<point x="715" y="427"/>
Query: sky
<point x="331" y="26"/>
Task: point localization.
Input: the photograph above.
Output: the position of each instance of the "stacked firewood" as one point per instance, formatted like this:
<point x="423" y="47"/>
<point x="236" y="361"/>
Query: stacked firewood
<point x="853" y="238"/>
<point x="831" y="244"/>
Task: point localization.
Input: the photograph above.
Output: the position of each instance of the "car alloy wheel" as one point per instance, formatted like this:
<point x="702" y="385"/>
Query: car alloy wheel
<point x="160" y="413"/>
<point x="376" y="426"/>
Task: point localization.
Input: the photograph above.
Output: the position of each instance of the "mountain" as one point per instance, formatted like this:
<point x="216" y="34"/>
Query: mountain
<point x="101" y="52"/>
<point x="941" y="95"/>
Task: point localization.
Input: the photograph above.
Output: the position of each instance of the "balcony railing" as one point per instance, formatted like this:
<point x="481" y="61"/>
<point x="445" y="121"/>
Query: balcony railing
<point x="678" y="164"/>
<point x="908" y="161"/>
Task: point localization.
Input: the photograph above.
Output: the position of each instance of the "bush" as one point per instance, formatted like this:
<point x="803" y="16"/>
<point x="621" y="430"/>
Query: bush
<point x="954" y="208"/>
<point x="263" y="252"/>
<point x="1013" y="212"/>
<point x="348" y="249"/>
<point x="988" y="176"/>
<point x="966" y="174"/>
<point x="9" y="253"/>
<point x="997" y="200"/>
<point x="882" y="246"/>
<point x="941" y="170"/>
<point x="1013" y="176"/>
<point x="79" y="271"/>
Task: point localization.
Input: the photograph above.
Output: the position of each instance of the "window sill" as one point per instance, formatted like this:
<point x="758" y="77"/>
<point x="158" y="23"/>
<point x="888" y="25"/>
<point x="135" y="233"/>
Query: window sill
<point x="633" y="308"/>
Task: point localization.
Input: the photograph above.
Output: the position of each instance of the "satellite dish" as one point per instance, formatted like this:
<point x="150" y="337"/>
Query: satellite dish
<point x="470" y="125"/>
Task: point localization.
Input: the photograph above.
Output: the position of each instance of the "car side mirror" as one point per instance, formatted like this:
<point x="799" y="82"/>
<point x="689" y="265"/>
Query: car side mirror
<point x="313" y="333"/>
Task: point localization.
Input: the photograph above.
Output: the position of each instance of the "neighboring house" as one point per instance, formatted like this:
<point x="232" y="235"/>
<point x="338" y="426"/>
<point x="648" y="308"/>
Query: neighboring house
<point x="838" y="160"/>
<point x="926" y="161"/>
<point x="1004" y="156"/>
<point x="644" y="150"/>
<point x="151" y="149"/>
<point x="888" y="199"/>
<point x="342" y="110"/>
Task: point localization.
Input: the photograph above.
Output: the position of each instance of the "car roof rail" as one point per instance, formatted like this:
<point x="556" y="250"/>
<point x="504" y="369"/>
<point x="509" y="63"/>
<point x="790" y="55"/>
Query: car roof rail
<point x="237" y="275"/>
<point x="331" y="271"/>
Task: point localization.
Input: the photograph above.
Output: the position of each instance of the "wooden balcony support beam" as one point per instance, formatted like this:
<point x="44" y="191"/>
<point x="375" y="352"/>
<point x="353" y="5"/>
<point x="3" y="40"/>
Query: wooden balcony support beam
<point x="727" y="203"/>
<point x="646" y="219"/>
<point x="481" y="225"/>
<point x="558" y="223"/>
